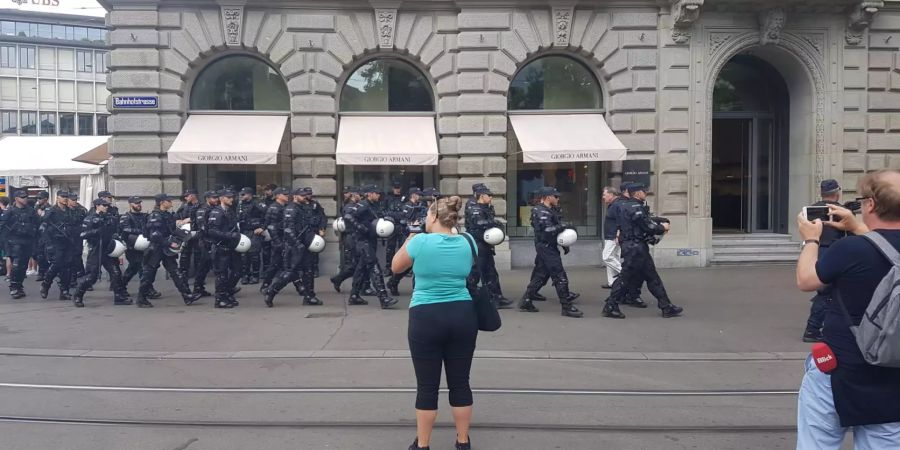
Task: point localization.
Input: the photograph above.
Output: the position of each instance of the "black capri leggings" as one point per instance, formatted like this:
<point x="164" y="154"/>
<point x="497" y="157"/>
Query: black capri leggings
<point x="442" y="333"/>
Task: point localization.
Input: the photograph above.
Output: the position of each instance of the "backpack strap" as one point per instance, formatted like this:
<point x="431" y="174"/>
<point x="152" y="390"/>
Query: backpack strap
<point x="471" y="242"/>
<point x="884" y="246"/>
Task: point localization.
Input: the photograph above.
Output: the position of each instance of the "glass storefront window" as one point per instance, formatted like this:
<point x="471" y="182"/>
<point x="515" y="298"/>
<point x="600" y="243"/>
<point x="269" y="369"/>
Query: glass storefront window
<point x="387" y="85"/>
<point x="240" y="83"/>
<point x="554" y="82"/>
<point x="546" y="84"/>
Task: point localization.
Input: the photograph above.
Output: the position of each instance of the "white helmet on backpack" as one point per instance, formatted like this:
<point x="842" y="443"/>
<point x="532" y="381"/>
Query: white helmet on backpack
<point x="567" y="238"/>
<point x="494" y="236"/>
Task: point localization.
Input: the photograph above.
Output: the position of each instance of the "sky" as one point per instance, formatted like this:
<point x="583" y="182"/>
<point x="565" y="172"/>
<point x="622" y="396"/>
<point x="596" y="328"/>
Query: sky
<point x="80" y="7"/>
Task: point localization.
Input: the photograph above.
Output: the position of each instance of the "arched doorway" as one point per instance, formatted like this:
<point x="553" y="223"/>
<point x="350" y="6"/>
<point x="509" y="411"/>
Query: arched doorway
<point x="750" y="148"/>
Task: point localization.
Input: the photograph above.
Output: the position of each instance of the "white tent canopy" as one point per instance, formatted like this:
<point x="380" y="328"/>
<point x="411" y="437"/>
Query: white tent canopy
<point x="48" y="155"/>
<point x="549" y="138"/>
<point x="387" y="140"/>
<point x="229" y="139"/>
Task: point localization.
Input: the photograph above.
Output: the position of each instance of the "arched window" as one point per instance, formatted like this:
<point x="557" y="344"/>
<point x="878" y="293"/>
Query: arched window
<point x="240" y="83"/>
<point x="553" y="84"/>
<point x="387" y="85"/>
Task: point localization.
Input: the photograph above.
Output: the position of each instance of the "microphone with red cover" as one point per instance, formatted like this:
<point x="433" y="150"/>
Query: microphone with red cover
<point x="824" y="357"/>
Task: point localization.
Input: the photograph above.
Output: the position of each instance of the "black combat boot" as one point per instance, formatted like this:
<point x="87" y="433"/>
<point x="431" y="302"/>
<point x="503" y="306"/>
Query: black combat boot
<point x="189" y="298"/>
<point x="263" y="287"/>
<point x="312" y="301"/>
<point x="672" y="311"/>
<point x="569" y="310"/>
<point x="78" y="298"/>
<point x="269" y="298"/>
<point x="222" y="302"/>
<point x="142" y="301"/>
<point x="336" y="283"/>
<point x="17" y="293"/>
<point x="65" y="296"/>
<point x="612" y="311"/>
<point x="355" y="299"/>
<point x="153" y="294"/>
<point x="526" y="305"/>
<point x="386" y="301"/>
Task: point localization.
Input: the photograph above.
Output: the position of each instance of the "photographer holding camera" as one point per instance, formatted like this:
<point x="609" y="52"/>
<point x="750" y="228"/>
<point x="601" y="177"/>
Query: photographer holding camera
<point x="854" y="393"/>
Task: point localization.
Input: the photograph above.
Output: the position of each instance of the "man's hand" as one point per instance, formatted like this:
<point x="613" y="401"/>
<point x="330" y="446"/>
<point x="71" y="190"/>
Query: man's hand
<point x="844" y="220"/>
<point x="182" y="222"/>
<point x="322" y="233"/>
<point x="258" y="231"/>
<point x="809" y="230"/>
<point x="666" y="226"/>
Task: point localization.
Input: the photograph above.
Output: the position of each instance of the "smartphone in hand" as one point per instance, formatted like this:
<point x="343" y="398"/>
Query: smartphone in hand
<point x="817" y="212"/>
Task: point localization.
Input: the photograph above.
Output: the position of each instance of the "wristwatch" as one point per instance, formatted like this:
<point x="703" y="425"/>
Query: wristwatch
<point x="809" y="241"/>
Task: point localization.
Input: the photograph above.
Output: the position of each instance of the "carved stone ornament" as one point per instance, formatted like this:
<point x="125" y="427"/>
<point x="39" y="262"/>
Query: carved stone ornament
<point x="860" y="18"/>
<point x="386" y="24"/>
<point x="562" y="26"/>
<point x="771" y="23"/>
<point x="232" y="23"/>
<point x="717" y="39"/>
<point x="684" y="14"/>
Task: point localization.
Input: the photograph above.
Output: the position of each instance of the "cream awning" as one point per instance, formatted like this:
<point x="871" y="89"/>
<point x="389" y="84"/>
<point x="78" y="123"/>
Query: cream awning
<point x="229" y="139"/>
<point x="48" y="155"/>
<point x="548" y="138"/>
<point x="387" y="141"/>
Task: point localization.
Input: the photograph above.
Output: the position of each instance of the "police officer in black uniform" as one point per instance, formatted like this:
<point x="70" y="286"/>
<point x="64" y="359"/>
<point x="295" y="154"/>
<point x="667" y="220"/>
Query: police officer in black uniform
<point x="637" y="229"/>
<point x="362" y="219"/>
<point x="300" y="224"/>
<point x="348" y="239"/>
<point x="191" y="249"/>
<point x="57" y="223"/>
<point x="412" y="215"/>
<point x="76" y="263"/>
<point x="546" y="220"/>
<point x="223" y="231"/>
<point x="19" y="227"/>
<point x="165" y="242"/>
<point x="480" y="218"/>
<point x="393" y="202"/>
<point x="39" y="250"/>
<point x="203" y="263"/>
<point x="319" y="222"/>
<point x="251" y="215"/>
<point x="99" y="229"/>
<point x="274" y="225"/>
<point x="131" y="225"/>
<point x="266" y="201"/>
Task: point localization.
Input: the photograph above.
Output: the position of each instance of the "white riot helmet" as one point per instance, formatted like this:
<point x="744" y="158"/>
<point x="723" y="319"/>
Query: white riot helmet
<point x="118" y="250"/>
<point x="187" y="230"/>
<point x="316" y="244"/>
<point x="567" y="238"/>
<point x="494" y="236"/>
<point x="384" y="228"/>
<point x="243" y="245"/>
<point x="338" y="225"/>
<point x="141" y="243"/>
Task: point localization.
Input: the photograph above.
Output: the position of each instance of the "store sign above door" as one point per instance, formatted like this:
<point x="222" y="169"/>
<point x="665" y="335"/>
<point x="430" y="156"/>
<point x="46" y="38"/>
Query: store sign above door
<point x="135" y="102"/>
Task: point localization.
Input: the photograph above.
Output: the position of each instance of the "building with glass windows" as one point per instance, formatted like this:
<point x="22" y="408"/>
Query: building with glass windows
<point x="739" y="109"/>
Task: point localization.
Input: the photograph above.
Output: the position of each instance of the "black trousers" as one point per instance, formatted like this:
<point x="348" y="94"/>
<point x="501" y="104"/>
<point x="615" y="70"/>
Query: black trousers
<point x="227" y="267"/>
<point x="40" y="255"/>
<point x="19" y="254"/>
<point x="152" y="259"/>
<point x="368" y="269"/>
<point x="638" y="267"/>
<point x="58" y="253"/>
<point x="95" y="260"/>
<point x="485" y="271"/>
<point x="189" y="252"/>
<point x="135" y="260"/>
<point x="348" y="258"/>
<point x="76" y="264"/>
<point x="203" y="265"/>
<point x="250" y="262"/>
<point x="442" y="334"/>
<point x="548" y="266"/>
<point x="391" y="246"/>
<point x="275" y="264"/>
<point x="299" y="265"/>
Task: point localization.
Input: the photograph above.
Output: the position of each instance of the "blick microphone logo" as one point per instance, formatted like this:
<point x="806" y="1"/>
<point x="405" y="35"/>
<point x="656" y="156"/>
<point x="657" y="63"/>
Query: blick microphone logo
<point x="824" y="359"/>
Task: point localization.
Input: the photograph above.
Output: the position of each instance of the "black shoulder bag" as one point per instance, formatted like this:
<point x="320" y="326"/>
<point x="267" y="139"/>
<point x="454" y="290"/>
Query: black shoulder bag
<point x="485" y="311"/>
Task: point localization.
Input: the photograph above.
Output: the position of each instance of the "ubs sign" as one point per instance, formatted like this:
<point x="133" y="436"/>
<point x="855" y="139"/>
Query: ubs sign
<point x="37" y="2"/>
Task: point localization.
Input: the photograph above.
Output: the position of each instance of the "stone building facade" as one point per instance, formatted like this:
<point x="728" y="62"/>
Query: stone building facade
<point x="661" y="66"/>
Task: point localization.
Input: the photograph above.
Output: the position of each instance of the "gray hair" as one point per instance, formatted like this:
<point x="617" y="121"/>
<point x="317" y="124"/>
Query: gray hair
<point x="612" y="190"/>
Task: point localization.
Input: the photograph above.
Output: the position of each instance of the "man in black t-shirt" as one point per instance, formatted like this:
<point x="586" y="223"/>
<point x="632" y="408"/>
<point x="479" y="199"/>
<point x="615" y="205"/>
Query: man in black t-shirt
<point x="855" y="394"/>
<point x="831" y="195"/>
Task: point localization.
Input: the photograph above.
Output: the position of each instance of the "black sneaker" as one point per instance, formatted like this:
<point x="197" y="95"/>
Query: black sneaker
<point x="190" y="298"/>
<point x="613" y="312"/>
<point x="312" y="301"/>
<point x="144" y="304"/>
<point x="369" y="292"/>
<point x="357" y="300"/>
<point x="503" y="303"/>
<point x="153" y="295"/>
<point x="464" y="446"/>
<point x="17" y="294"/>
<point x="415" y="446"/>
<point x="570" y="310"/>
<point x="813" y="335"/>
<point x="270" y="299"/>
<point x="672" y="311"/>
<point x="527" y="306"/>
<point x="123" y="302"/>
<point x="222" y="304"/>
